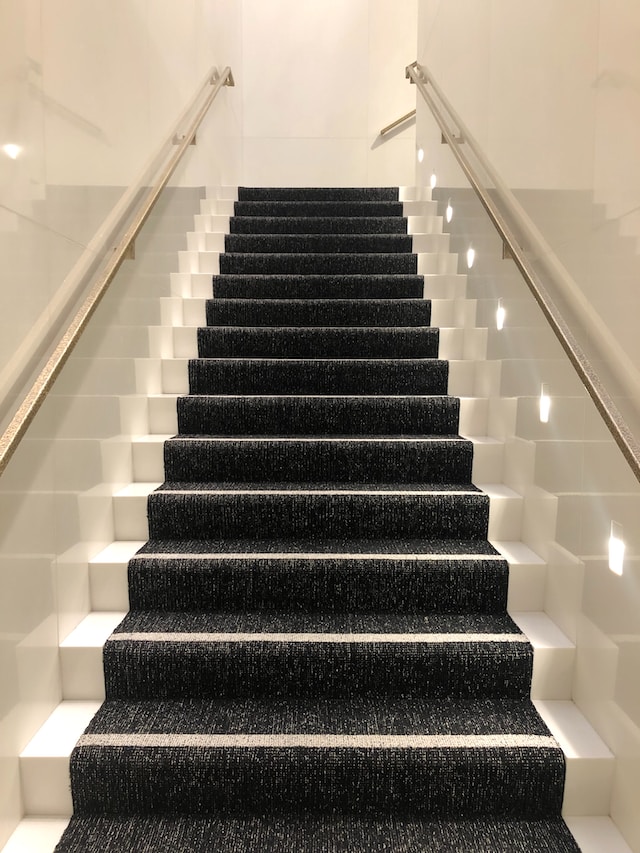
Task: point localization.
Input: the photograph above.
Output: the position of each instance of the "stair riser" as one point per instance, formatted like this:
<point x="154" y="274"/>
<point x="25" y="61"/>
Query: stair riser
<point x="243" y="376"/>
<point x="323" y="209"/>
<point x="327" y="264"/>
<point x="317" y="225"/>
<point x="139" y="670"/>
<point x="335" y="312"/>
<point x="318" y="243"/>
<point x="341" y="195"/>
<point x="527" y="782"/>
<point x="308" y="416"/>
<point x="287" y="343"/>
<point x="312" y="286"/>
<point x="320" y="585"/>
<point x="342" y="462"/>
<point x="286" y="515"/>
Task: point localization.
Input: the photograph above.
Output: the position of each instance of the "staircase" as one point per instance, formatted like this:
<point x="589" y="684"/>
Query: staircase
<point x="318" y="654"/>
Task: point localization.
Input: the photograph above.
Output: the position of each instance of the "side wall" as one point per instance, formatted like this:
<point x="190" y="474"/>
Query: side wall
<point x="551" y="92"/>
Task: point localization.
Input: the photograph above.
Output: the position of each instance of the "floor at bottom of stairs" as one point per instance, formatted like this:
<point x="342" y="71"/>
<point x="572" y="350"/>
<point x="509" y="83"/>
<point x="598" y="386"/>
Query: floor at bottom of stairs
<point x="40" y="835"/>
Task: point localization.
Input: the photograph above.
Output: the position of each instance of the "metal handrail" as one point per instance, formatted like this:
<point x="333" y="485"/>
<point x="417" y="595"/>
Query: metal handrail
<point x="398" y="122"/>
<point x="605" y="404"/>
<point x="131" y="219"/>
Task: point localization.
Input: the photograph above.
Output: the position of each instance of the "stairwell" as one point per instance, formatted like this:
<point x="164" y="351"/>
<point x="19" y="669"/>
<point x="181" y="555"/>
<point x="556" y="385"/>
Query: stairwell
<point x="323" y="650"/>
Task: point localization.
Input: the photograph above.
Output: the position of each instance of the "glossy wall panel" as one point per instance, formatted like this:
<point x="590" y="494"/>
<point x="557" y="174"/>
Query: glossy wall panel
<point x="550" y="91"/>
<point x="87" y="91"/>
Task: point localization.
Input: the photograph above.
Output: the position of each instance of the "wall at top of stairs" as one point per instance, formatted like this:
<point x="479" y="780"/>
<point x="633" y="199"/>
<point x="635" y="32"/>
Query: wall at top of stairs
<point x="319" y="82"/>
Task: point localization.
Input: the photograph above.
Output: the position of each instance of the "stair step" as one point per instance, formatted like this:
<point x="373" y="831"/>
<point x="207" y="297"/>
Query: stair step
<point x="274" y="263"/>
<point x="318" y="312"/>
<point x="287" y="342"/>
<point x="45" y="761"/>
<point x="289" y="286"/>
<point x="314" y="244"/>
<point x="108" y="576"/>
<point x="231" y="574"/>
<point x="208" y="459"/>
<point x="153" y="656"/>
<point x="148" y="457"/>
<point x="193" y="511"/>
<point x="356" y="756"/>
<point x="130" y="509"/>
<point x="331" y="414"/>
<point x="82" y="652"/>
<point x="109" y="591"/>
<point x="318" y="376"/>
<point x="318" y="225"/>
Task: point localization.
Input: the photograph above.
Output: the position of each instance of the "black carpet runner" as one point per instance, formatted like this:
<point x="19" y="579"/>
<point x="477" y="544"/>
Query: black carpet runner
<point x="318" y="656"/>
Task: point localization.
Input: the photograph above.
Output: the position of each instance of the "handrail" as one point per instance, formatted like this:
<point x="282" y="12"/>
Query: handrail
<point x="605" y="404"/>
<point x="397" y="122"/>
<point x="130" y="214"/>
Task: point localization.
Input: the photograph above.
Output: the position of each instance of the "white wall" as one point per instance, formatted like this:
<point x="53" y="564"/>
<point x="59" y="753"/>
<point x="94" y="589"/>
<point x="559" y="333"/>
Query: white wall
<point x="551" y="91"/>
<point x="319" y="81"/>
<point x="87" y="89"/>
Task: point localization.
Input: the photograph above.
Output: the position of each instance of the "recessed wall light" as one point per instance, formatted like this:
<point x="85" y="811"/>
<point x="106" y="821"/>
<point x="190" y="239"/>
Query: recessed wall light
<point x="12" y="150"/>
<point x="500" y="315"/>
<point x="471" y="257"/>
<point x="545" y="405"/>
<point x="616" y="548"/>
<point x="449" y="211"/>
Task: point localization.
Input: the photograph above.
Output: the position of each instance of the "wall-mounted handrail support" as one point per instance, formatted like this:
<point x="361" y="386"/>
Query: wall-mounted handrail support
<point x="565" y="285"/>
<point x="120" y="229"/>
<point x="411" y="114"/>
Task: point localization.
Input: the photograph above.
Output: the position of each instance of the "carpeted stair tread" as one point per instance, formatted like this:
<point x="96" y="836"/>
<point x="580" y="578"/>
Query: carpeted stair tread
<point x="317" y="342"/>
<point x="201" y="576"/>
<point x="318" y="243"/>
<point x="318" y="312"/>
<point x="317" y="415"/>
<point x="315" y="834"/>
<point x="318" y="376"/>
<point x="328" y="263"/>
<point x="344" y="194"/>
<point x="282" y="286"/>
<point x="434" y="460"/>
<point x="318" y="225"/>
